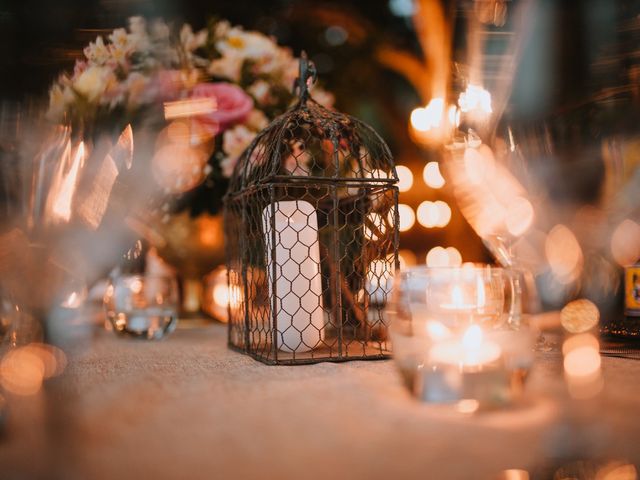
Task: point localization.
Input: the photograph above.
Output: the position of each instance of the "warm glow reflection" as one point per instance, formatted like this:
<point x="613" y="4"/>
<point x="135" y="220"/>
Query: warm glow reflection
<point x="475" y="99"/>
<point x="444" y="213"/>
<point x="407" y="259"/>
<point x="472" y="338"/>
<point x="63" y="198"/>
<point x="467" y="406"/>
<point x="488" y="194"/>
<point x="405" y="178"/>
<point x="563" y="254"/>
<point x="579" y="316"/>
<point x="625" y="242"/>
<point x="617" y="471"/>
<point x="189" y="108"/>
<point x="514" y="474"/>
<point x="437" y="331"/>
<point x="407" y="217"/>
<point x="444" y="257"/>
<point x="437" y="257"/>
<point x="432" y="176"/>
<point x="221" y="294"/>
<point x="455" y="258"/>
<point x="427" y="214"/>
<point x="519" y="216"/>
<point x="23" y="369"/>
<point x="434" y="214"/>
<point x="479" y="164"/>
<point x="74" y="299"/>
<point x="453" y="115"/>
<point x="582" y="362"/>
<point x="430" y="117"/>
<point x="582" y="365"/>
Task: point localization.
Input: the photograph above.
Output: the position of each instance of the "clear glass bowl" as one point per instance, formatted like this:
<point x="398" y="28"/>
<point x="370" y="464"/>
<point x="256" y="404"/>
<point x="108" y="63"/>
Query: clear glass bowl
<point x="142" y="306"/>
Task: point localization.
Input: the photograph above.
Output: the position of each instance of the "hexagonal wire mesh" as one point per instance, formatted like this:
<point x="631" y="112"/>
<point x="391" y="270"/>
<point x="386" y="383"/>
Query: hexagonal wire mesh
<point x="311" y="226"/>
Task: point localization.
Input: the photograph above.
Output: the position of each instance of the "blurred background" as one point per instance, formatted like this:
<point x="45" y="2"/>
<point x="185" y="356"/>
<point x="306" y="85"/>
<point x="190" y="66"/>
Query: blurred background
<point x="563" y="85"/>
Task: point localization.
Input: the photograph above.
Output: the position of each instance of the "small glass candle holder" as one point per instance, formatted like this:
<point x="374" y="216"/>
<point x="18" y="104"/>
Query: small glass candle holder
<point x="142" y="306"/>
<point x="455" y="335"/>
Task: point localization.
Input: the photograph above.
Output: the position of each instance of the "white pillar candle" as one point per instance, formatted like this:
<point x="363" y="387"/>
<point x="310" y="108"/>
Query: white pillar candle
<point x="298" y="286"/>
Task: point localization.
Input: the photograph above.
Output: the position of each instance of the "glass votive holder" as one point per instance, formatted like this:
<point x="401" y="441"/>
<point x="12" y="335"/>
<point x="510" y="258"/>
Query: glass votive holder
<point x="142" y="306"/>
<point x="453" y="338"/>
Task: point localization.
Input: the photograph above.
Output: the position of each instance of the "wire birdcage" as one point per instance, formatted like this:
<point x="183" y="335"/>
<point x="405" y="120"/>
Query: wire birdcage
<point x="311" y="226"/>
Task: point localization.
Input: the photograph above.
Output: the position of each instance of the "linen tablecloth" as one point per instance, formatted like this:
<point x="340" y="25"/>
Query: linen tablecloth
<point x="188" y="407"/>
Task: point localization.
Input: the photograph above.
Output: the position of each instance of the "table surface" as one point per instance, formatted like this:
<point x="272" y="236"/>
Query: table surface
<point x="188" y="407"/>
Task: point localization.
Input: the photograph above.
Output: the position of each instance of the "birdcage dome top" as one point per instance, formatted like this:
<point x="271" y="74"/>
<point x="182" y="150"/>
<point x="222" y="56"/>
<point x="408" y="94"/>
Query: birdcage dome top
<point x="312" y="143"/>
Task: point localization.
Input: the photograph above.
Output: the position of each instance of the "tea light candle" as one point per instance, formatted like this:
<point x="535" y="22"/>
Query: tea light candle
<point x="471" y="351"/>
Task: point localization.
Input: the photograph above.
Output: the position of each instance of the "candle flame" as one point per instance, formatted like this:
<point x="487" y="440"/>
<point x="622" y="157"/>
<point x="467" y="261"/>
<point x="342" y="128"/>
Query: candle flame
<point x="472" y="338"/>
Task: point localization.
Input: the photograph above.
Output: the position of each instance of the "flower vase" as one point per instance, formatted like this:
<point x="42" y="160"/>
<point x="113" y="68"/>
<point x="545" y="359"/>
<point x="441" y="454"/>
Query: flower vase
<point x="194" y="246"/>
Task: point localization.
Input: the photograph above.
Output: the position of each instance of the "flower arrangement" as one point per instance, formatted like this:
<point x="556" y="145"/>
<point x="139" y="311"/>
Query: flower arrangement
<point x="132" y="74"/>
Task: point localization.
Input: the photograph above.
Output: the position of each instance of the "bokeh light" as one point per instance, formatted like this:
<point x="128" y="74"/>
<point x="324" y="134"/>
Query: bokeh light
<point x="23" y="369"/>
<point x="444" y="213"/>
<point x="428" y="118"/>
<point x="437" y="257"/>
<point x="405" y="178"/>
<point x="582" y="365"/>
<point x="475" y="98"/>
<point x="444" y="257"/>
<point x="407" y="259"/>
<point x="519" y="216"/>
<point x="432" y="176"/>
<point x="434" y="214"/>
<point x="625" y="242"/>
<point x="455" y="258"/>
<point x="407" y="217"/>
<point x="563" y="254"/>
<point x="427" y="214"/>
<point x="579" y="316"/>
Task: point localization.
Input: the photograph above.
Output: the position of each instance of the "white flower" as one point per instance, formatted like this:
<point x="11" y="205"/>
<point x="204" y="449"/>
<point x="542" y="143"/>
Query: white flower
<point x="192" y="41"/>
<point x="251" y="45"/>
<point x="120" y="39"/>
<point x="229" y="67"/>
<point x="118" y="54"/>
<point x="234" y="142"/>
<point x="93" y="82"/>
<point x="260" y="91"/>
<point x="97" y="52"/>
<point x="60" y="97"/>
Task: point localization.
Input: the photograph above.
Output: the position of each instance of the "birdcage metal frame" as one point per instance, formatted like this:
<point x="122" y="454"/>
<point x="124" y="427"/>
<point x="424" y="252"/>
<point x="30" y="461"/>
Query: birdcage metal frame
<point x="315" y="191"/>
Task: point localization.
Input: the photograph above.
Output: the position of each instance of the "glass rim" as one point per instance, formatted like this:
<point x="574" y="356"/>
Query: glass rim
<point x="141" y="276"/>
<point x="424" y="269"/>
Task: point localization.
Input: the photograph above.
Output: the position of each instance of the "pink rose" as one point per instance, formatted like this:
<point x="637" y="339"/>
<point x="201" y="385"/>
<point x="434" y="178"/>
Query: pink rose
<point x="233" y="105"/>
<point x="168" y="84"/>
